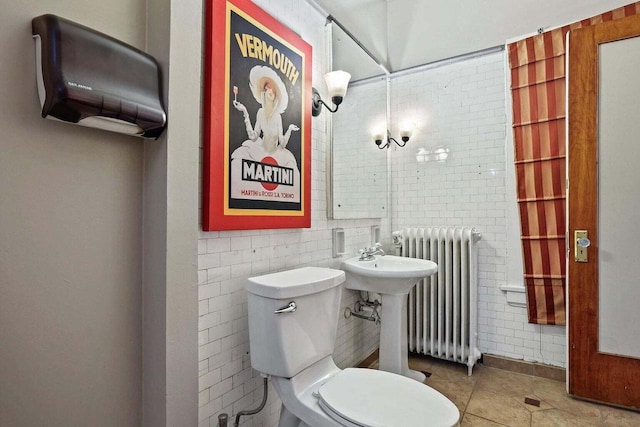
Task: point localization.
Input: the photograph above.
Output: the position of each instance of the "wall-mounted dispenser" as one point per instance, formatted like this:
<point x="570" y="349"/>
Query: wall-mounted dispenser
<point x="91" y="79"/>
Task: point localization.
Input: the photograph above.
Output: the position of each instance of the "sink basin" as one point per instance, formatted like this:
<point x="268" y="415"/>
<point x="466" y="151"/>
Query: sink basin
<point x="392" y="277"/>
<point x="386" y="274"/>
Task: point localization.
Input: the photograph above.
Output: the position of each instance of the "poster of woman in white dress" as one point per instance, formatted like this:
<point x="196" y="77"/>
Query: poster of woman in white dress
<point x="262" y="168"/>
<point x="265" y="115"/>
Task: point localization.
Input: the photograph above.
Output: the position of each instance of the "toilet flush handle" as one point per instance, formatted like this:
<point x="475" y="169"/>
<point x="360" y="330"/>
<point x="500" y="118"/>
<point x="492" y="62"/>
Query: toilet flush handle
<point x="289" y="308"/>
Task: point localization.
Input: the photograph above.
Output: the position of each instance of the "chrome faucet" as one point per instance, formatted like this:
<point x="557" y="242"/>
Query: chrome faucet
<point x="368" y="254"/>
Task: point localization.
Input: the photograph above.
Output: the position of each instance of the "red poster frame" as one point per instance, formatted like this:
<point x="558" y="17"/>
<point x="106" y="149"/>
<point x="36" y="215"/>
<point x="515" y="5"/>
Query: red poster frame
<point x="221" y="211"/>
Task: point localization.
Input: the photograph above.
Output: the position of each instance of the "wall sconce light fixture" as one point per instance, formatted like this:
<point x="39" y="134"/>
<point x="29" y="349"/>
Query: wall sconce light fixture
<point x="405" y="135"/>
<point x="337" y="82"/>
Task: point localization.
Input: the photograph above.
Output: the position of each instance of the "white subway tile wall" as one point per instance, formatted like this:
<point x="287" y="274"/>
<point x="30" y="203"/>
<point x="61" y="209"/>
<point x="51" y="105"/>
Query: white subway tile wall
<point x="227" y="259"/>
<point x="461" y="107"/>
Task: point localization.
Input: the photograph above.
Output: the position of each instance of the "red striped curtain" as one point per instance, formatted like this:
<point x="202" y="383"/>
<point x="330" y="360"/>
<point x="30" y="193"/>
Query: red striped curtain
<point x="537" y="67"/>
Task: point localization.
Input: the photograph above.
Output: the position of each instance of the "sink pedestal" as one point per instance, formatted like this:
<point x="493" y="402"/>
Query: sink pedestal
<point x="394" y="353"/>
<point x="393" y="278"/>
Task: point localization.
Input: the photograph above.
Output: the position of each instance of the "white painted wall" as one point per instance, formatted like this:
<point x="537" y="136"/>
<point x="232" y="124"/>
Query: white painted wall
<point x="97" y="233"/>
<point x="170" y="215"/>
<point x="70" y="242"/>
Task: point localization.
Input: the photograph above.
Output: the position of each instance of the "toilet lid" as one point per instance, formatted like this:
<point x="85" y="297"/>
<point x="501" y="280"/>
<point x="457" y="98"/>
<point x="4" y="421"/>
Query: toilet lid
<point x="372" y="398"/>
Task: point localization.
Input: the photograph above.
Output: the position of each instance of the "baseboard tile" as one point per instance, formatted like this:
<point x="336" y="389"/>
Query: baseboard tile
<point x="524" y="367"/>
<point x="369" y="360"/>
<point x="499" y="362"/>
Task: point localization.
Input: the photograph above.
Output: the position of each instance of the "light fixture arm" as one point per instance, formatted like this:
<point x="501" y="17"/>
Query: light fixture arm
<point x="337" y="82"/>
<point x="390" y="139"/>
<point x="404" y="141"/>
<point x="317" y="103"/>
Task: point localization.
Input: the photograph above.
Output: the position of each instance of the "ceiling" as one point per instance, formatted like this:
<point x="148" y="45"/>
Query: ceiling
<point x="403" y="34"/>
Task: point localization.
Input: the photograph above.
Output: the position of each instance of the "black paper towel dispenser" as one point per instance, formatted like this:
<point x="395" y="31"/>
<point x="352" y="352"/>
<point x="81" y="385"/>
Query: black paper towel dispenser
<point x="89" y="78"/>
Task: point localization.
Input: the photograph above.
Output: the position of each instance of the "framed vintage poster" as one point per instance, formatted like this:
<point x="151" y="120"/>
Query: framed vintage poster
<point x="257" y="123"/>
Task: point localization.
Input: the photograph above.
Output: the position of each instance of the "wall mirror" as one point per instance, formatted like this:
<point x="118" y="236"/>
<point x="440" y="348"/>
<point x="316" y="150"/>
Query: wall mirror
<point x="357" y="177"/>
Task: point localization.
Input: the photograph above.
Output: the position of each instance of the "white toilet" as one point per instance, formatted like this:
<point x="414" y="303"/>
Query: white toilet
<point x="293" y="318"/>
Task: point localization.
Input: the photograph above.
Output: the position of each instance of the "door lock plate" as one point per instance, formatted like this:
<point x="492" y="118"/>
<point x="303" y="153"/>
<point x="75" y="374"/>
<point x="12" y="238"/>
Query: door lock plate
<point x="581" y="243"/>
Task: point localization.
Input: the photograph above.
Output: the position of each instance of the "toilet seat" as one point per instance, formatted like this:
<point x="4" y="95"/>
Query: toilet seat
<point x="371" y="398"/>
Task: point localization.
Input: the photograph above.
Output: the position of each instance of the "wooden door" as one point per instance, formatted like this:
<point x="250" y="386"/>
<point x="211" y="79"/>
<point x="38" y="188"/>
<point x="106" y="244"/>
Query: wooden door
<point x="603" y="188"/>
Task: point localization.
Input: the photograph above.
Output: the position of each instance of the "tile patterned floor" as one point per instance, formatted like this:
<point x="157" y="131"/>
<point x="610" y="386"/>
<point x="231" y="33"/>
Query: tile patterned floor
<point x="494" y="397"/>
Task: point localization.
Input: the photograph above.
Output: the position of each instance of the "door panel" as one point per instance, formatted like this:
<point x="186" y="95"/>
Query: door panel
<point x="604" y="200"/>
<point x="618" y="178"/>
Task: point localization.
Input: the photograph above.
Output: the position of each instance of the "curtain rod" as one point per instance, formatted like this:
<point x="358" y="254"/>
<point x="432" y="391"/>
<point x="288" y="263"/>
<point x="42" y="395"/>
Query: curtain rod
<point x="447" y="61"/>
<point x="331" y="18"/>
<point x="431" y="65"/>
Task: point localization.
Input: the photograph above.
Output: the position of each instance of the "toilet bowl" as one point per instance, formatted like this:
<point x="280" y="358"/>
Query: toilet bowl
<point x="293" y="318"/>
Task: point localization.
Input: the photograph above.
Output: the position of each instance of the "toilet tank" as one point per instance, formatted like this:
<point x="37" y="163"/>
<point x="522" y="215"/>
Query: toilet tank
<point x="283" y="344"/>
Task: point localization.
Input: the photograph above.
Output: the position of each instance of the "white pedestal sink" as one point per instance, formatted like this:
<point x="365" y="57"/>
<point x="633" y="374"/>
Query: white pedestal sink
<point x="392" y="277"/>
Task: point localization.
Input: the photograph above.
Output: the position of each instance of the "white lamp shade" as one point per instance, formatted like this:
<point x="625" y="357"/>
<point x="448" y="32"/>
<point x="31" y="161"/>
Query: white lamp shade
<point x="378" y="135"/>
<point x="337" y="82"/>
<point x="406" y="133"/>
